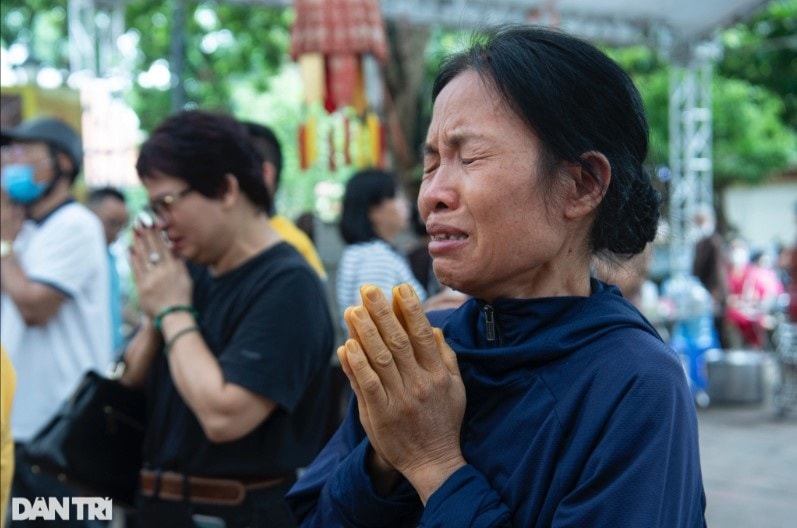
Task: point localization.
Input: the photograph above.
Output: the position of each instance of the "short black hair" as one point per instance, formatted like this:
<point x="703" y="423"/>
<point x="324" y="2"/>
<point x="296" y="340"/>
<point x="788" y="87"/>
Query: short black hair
<point x="365" y="189"/>
<point x="266" y="142"/>
<point x="202" y="147"/>
<point x="576" y="100"/>
<point x="98" y="195"/>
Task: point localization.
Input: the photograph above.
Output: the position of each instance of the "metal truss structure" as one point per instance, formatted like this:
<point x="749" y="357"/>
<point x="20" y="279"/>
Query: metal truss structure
<point x="95" y="27"/>
<point x="690" y="141"/>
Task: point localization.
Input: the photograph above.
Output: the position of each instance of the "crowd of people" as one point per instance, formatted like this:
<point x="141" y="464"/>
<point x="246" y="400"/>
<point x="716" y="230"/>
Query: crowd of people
<point x="746" y="285"/>
<point x="510" y="387"/>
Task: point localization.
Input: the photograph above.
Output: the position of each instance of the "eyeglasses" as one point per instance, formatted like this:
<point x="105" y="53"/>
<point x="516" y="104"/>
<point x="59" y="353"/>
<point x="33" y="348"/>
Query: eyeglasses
<point x="163" y="205"/>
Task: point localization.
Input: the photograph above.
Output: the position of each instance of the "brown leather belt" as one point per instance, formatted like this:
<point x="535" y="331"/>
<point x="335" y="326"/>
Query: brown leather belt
<point x="168" y="485"/>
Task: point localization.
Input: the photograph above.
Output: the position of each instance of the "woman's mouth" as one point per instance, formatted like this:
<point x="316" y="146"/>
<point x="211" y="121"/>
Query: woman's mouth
<point x="444" y="236"/>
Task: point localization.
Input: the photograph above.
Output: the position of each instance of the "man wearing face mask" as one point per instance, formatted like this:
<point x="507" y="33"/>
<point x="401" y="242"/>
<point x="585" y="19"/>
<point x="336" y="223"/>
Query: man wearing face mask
<point x="55" y="296"/>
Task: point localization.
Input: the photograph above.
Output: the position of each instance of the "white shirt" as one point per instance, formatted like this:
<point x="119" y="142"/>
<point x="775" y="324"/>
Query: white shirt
<point x="67" y="252"/>
<point x="374" y="262"/>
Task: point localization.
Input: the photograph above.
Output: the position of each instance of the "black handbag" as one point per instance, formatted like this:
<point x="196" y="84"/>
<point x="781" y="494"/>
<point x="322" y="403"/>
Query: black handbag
<point x="94" y="441"/>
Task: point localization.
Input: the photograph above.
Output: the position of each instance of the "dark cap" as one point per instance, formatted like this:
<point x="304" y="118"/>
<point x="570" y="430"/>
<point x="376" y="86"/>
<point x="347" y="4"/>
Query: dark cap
<point x="48" y="130"/>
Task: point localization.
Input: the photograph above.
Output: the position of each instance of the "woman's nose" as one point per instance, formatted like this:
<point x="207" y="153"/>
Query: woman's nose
<point x="438" y="192"/>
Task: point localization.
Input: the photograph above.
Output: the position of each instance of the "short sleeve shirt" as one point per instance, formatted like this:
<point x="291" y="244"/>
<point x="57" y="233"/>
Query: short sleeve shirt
<point x="67" y="252"/>
<point x="268" y="324"/>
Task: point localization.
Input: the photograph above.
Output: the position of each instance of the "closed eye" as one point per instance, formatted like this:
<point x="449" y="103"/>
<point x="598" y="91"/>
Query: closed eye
<point x="431" y="160"/>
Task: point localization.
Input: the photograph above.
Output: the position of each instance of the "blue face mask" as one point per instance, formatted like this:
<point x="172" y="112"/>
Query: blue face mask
<point x="19" y="182"/>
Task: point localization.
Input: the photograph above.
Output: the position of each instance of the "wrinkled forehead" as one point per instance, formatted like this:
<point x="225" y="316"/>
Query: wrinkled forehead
<point x="469" y="107"/>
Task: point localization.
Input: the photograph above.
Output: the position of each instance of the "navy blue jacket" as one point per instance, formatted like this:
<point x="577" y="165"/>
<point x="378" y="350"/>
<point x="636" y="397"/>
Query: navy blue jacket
<point x="578" y="415"/>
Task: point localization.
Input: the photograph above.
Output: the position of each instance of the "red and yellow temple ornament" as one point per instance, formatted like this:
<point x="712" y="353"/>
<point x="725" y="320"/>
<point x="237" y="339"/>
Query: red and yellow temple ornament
<point x="340" y="48"/>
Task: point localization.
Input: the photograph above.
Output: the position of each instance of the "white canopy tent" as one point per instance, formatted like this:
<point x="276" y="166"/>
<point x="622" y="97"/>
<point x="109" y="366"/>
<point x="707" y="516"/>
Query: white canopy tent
<point x="610" y="21"/>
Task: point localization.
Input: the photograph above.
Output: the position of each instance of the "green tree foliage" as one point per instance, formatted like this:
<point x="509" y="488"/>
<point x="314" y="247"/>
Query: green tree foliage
<point x="651" y="75"/>
<point x="751" y="141"/>
<point x="763" y="51"/>
<point x="225" y="44"/>
<point x="233" y="51"/>
<point x="41" y="25"/>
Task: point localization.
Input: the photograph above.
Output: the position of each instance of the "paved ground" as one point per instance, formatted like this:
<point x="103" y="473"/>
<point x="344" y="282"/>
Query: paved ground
<point x="749" y="461"/>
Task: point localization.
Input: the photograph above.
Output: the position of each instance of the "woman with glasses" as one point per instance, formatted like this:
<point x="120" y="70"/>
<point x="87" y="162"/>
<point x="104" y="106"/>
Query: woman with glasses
<point x="234" y="352"/>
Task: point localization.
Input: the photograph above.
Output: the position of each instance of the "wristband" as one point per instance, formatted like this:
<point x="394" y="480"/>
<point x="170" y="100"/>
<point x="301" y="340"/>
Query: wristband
<point x="178" y="335"/>
<point x="171" y="309"/>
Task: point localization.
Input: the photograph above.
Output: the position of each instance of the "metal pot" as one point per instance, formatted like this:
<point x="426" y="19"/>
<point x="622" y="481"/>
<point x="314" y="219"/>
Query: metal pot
<point x="735" y="376"/>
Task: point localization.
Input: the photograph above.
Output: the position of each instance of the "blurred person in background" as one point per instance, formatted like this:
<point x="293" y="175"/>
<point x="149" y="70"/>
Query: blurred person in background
<point x="55" y="299"/>
<point x="754" y="291"/>
<point x="783" y="263"/>
<point x="375" y="212"/>
<point x="792" y="309"/>
<point x="267" y="144"/>
<point x="710" y="265"/>
<point x="8" y="382"/>
<point x="306" y="222"/>
<point x="109" y="205"/>
<point x="234" y="349"/>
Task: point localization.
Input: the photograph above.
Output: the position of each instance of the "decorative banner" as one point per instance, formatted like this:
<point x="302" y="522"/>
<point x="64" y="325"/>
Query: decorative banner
<point x="311" y="66"/>
<point x="340" y="46"/>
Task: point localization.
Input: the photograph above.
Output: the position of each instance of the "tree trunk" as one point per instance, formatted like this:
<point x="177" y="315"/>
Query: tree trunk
<point x="404" y="76"/>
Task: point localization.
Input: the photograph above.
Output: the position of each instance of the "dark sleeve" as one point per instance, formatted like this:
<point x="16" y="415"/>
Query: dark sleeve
<point x="466" y="498"/>
<point x="283" y="340"/>
<point x="335" y="491"/>
<point x="644" y="469"/>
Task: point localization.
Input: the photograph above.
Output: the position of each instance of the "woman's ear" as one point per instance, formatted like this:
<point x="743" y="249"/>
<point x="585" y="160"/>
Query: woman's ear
<point x="587" y="184"/>
<point x="270" y="177"/>
<point x="232" y="192"/>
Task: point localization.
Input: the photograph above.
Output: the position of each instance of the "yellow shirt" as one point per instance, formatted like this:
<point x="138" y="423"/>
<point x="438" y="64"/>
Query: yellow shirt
<point x="8" y="382"/>
<point x="298" y="239"/>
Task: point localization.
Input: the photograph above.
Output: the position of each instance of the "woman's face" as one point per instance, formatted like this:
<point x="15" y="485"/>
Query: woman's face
<point x="494" y="230"/>
<point x="390" y="217"/>
<point x="191" y="221"/>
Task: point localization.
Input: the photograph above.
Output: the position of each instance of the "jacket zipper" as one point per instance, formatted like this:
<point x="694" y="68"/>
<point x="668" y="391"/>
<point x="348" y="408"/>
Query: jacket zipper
<point x="489" y="319"/>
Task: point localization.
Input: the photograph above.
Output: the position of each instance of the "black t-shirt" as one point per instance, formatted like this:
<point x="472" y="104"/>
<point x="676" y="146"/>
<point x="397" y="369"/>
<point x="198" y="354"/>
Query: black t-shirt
<point x="268" y="324"/>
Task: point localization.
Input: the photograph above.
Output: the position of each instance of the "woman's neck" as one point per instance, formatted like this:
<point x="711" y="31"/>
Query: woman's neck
<point x="254" y="236"/>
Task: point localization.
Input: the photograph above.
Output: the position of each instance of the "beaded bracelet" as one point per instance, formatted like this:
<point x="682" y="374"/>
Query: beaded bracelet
<point x="171" y="309"/>
<point x="178" y="335"/>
